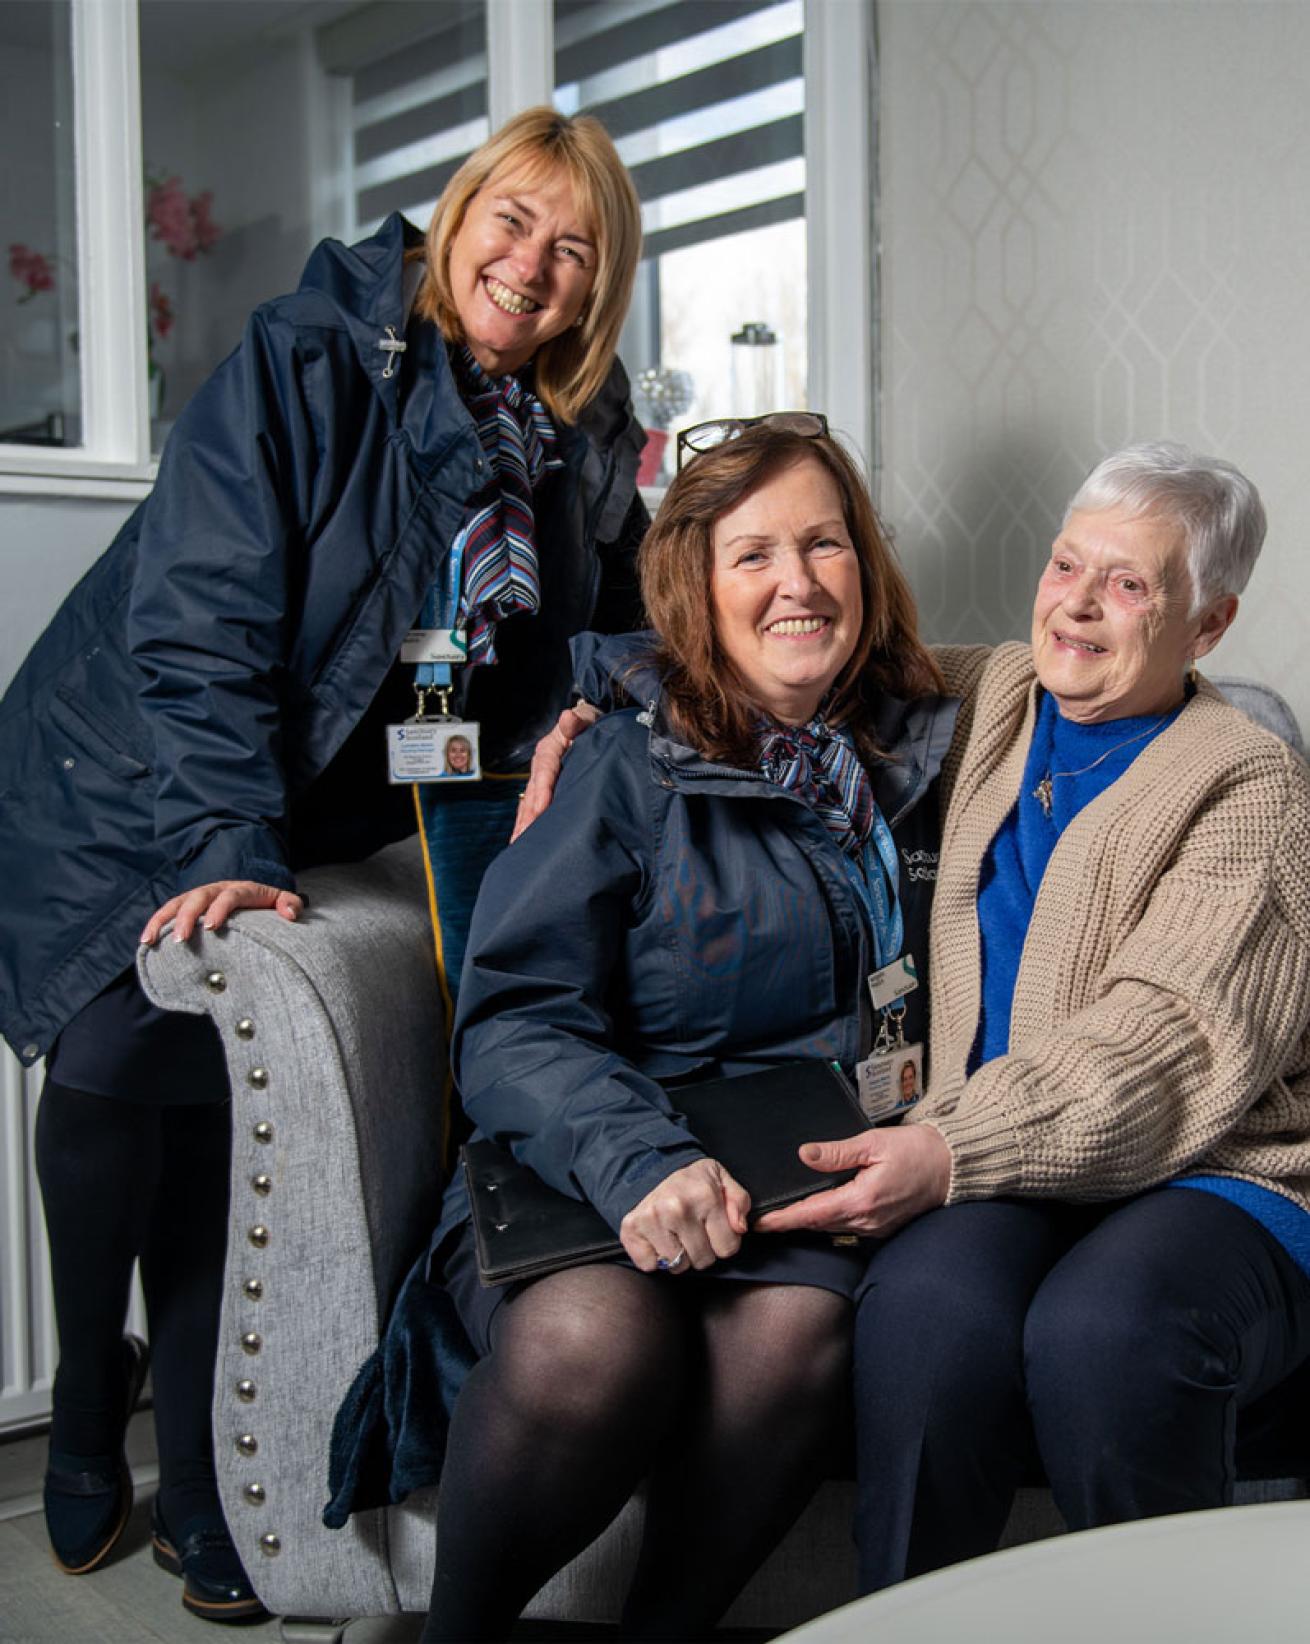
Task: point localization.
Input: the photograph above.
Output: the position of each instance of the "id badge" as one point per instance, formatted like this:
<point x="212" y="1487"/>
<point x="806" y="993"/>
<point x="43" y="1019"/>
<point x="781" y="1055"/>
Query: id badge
<point x="890" y="1081"/>
<point x="893" y="981"/>
<point x="435" y="645"/>
<point x="433" y="750"/>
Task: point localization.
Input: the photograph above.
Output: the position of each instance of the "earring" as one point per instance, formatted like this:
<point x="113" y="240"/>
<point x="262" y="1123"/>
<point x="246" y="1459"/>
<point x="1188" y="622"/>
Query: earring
<point x="1192" y="675"/>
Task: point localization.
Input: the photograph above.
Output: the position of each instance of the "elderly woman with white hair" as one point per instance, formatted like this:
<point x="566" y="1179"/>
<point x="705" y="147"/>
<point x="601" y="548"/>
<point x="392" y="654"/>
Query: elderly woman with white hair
<point x="1103" y="1256"/>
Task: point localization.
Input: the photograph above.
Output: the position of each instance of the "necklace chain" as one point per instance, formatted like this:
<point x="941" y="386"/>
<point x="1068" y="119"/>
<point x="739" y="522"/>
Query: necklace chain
<point x="1042" y="792"/>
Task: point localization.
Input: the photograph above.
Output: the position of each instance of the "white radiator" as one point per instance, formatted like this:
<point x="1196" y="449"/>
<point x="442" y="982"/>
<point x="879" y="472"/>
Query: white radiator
<point x="28" y="1350"/>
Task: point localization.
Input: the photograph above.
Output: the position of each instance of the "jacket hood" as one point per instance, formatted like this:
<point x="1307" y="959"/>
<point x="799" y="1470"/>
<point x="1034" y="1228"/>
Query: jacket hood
<point x="364" y="283"/>
<point x="618" y="670"/>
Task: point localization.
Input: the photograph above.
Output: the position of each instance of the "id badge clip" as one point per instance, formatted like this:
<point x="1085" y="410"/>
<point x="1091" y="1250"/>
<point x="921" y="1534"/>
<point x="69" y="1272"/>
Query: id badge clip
<point x="893" y="982"/>
<point x="435" y="645"/>
<point x="433" y="747"/>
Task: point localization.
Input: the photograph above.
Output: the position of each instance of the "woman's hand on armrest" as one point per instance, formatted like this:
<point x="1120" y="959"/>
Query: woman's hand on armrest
<point x="547" y="761"/>
<point x="212" y="904"/>
<point x="901" y="1173"/>
<point x="698" y="1210"/>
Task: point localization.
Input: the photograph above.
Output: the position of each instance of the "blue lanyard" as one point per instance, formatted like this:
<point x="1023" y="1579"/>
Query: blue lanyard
<point x="445" y="615"/>
<point x="876" y="881"/>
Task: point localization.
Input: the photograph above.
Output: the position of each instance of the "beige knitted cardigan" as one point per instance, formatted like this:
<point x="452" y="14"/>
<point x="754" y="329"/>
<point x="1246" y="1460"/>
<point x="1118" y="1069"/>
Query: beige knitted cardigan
<point x="1161" y="1017"/>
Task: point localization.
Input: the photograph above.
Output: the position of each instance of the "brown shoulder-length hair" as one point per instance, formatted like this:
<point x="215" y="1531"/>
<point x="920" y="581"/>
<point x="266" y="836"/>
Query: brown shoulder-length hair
<point x="540" y="142"/>
<point x="708" y="703"/>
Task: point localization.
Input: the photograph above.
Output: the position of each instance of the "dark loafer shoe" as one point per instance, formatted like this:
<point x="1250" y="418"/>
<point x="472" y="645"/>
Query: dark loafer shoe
<point x="215" y="1584"/>
<point x="88" y="1499"/>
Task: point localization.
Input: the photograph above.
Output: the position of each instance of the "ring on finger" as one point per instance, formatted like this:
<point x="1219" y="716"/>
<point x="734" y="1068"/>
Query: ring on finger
<point x="666" y="1265"/>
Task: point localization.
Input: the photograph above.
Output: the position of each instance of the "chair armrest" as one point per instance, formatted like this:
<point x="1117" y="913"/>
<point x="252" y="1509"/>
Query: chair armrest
<point x="332" y="1029"/>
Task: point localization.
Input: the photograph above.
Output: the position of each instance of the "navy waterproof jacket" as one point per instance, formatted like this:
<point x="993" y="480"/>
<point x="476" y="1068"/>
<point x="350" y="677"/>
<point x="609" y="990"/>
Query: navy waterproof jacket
<point x="212" y="663"/>
<point x="669" y="917"/>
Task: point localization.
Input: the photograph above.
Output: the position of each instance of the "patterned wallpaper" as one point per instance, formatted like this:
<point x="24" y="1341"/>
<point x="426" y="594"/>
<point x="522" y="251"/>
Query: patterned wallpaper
<point x="1095" y="227"/>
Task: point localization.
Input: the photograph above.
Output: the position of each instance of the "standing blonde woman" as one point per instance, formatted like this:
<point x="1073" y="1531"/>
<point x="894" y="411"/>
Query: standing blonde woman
<point x="430" y="434"/>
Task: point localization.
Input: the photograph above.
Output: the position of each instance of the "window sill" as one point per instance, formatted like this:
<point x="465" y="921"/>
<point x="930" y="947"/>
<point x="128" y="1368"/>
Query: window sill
<point x="72" y="475"/>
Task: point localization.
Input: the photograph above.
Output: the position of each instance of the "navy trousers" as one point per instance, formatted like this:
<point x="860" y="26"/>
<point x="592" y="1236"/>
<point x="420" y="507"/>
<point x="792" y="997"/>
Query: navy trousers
<point x="1109" y="1347"/>
<point x="464" y="830"/>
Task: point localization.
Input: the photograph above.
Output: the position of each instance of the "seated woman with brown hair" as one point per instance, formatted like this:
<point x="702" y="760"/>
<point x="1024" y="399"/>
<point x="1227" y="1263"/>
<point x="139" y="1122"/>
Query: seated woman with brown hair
<point x="696" y="903"/>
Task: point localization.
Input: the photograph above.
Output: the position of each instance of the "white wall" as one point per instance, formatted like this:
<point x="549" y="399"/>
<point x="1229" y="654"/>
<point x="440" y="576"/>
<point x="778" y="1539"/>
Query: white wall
<point x="46" y="543"/>
<point x="1095" y="229"/>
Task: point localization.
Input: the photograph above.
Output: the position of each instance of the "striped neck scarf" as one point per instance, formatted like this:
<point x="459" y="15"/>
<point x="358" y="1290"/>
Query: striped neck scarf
<point x="497" y="540"/>
<point x="821" y="767"/>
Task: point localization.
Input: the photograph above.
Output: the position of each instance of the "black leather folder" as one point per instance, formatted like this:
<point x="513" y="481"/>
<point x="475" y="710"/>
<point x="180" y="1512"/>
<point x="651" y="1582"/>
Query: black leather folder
<point x="753" y="1125"/>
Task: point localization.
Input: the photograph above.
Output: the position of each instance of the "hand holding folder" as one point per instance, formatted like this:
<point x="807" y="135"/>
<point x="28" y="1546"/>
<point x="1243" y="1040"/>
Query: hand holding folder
<point x="754" y="1125"/>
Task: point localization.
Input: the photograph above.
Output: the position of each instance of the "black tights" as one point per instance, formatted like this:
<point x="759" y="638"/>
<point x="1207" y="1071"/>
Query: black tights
<point x="726" y="1394"/>
<point x="121" y="1181"/>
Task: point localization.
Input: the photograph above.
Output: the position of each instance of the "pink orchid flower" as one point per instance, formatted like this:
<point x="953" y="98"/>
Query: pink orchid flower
<point x="161" y="311"/>
<point x="31" y="269"/>
<point x="207" y="231"/>
<point x="168" y="217"/>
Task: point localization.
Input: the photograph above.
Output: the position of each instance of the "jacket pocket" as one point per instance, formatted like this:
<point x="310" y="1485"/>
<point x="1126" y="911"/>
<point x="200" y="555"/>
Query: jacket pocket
<point x="95" y="735"/>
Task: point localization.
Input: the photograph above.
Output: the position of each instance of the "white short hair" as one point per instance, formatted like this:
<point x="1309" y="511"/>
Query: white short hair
<point x="1218" y="508"/>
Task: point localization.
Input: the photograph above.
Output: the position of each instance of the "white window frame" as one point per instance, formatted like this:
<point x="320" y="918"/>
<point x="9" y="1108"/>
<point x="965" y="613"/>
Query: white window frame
<point x="114" y="458"/>
<point x="839" y="208"/>
<point x="520" y="57"/>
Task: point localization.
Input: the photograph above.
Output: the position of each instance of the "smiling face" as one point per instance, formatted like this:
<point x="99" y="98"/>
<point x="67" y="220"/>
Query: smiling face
<point x="1112" y="636"/>
<point x="521" y="266"/>
<point x="785" y="590"/>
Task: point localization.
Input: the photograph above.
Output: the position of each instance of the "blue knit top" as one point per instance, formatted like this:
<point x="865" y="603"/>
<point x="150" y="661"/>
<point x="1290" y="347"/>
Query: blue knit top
<point x="1081" y="761"/>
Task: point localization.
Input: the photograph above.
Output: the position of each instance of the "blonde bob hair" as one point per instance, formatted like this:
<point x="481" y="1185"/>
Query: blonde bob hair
<point x="570" y="368"/>
<point x="709" y="704"/>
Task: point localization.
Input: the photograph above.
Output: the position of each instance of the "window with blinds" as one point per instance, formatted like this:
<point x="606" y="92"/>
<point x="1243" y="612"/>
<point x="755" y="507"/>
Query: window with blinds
<point x="706" y="104"/>
<point x="704" y="101"/>
<point x="417" y="72"/>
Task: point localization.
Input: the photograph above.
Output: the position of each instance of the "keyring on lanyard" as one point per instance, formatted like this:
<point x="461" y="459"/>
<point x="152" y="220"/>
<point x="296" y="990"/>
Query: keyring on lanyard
<point x="893" y="1017"/>
<point x="437" y="676"/>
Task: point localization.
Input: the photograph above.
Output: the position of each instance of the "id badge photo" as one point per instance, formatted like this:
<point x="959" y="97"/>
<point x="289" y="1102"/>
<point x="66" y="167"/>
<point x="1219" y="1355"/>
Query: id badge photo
<point x="890" y="1081"/>
<point x="433" y="750"/>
